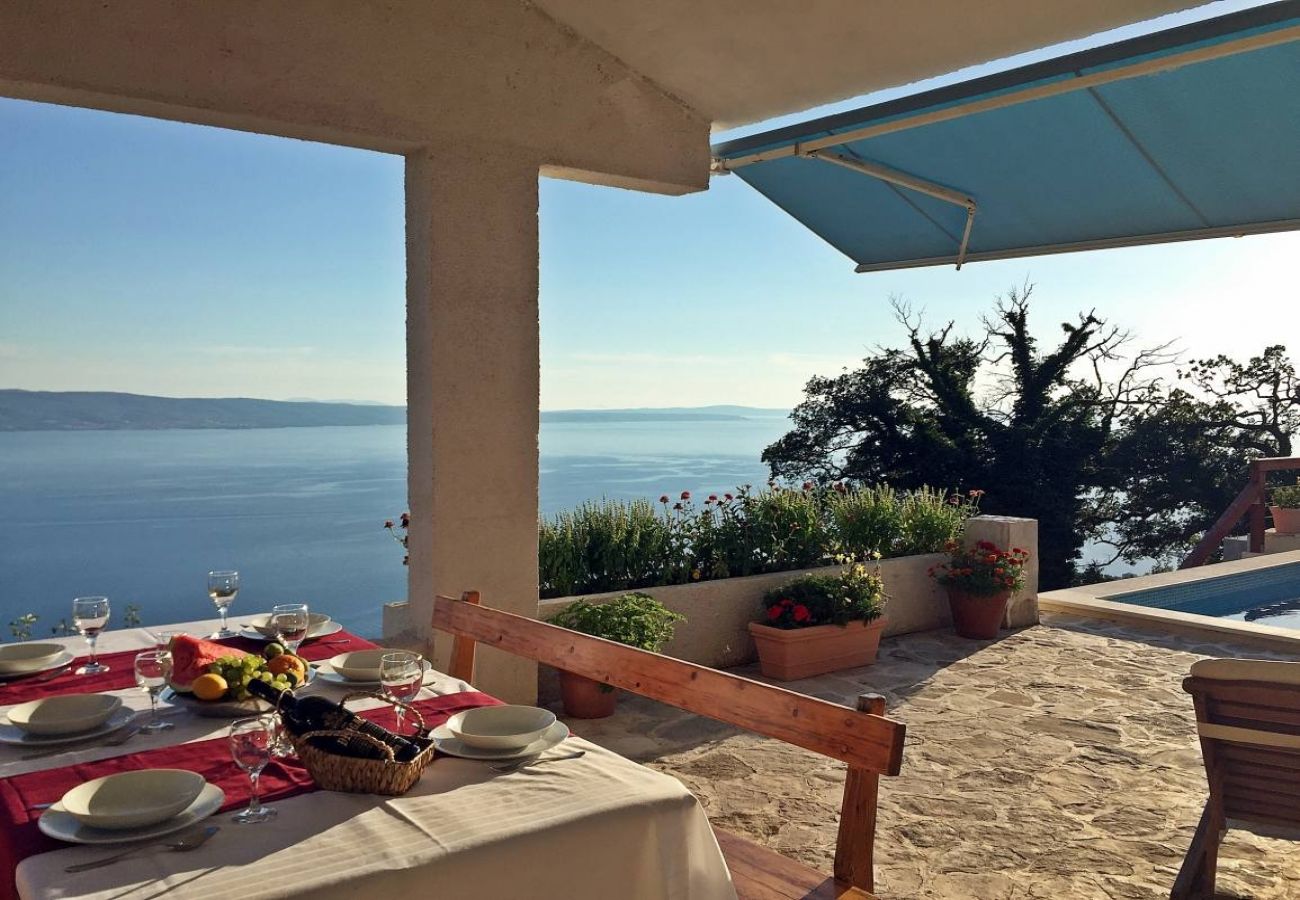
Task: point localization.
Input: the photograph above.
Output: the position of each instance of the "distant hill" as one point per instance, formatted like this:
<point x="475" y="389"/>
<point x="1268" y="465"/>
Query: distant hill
<point x="98" y="411"/>
<point x="101" y="411"/>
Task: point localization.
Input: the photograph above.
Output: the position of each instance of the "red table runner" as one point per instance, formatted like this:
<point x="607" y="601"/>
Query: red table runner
<point x="121" y="665"/>
<point x="20" y="837"/>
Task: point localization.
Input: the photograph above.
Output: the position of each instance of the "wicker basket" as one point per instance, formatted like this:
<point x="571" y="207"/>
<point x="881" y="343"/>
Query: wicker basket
<point x="349" y="774"/>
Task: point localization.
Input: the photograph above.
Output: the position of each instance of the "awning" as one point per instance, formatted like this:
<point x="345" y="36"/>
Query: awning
<point x="1189" y="133"/>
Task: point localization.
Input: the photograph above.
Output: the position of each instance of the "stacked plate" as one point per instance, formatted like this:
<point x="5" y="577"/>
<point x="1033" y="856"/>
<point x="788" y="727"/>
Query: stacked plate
<point x="320" y="625"/>
<point x="131" y="806"/>
<point x="360" y="668"/>
<point x="499" y="732"/>
<point x="67" y="719"/>
<point x="21" y="660"/>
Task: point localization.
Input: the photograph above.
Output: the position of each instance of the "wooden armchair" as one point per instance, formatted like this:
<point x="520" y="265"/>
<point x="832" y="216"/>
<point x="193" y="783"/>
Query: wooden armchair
<point x="1248" y="720"/>
<point x="870" y="744"/>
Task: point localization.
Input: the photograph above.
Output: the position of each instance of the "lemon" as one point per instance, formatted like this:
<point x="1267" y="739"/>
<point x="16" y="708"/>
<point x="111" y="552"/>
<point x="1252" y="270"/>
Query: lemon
<point x="209" y="687"/>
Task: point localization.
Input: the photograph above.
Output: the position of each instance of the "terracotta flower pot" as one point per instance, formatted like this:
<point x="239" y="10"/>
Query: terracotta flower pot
<point x="585" y="698"/>
<point x="787" y="654"/>
<point x="1285" y="521"/>
<point x="977" y="616"/>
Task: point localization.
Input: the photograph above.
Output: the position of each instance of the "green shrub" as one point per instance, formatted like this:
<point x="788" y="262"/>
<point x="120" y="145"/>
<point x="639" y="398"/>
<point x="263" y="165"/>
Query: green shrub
<point x="637" y="620"/>
<point x="614" y="545"/>
<point x="1287" y="496"/>
<point x="826" y="599"/>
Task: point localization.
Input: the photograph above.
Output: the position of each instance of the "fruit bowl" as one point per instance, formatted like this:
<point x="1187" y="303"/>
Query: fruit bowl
<point x="220" y="709"/>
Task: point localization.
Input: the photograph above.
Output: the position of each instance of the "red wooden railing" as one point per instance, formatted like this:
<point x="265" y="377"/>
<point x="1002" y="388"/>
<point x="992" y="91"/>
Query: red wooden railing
<point x="1249" y="502"/>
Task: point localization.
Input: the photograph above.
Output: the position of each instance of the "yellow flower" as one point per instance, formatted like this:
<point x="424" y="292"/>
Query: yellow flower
<point x="695" y="574"/>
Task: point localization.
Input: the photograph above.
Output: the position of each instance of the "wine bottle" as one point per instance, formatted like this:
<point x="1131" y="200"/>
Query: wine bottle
<point x="301" y="715"/>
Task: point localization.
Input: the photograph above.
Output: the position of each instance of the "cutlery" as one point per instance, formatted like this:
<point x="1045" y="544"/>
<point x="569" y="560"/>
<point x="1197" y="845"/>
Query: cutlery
<point x="192" y="841"/>
<point x="515" y="767"/>
<point x="50" y="676"/>
<point x="116" y="740"/>
<point x="42" y="805"/>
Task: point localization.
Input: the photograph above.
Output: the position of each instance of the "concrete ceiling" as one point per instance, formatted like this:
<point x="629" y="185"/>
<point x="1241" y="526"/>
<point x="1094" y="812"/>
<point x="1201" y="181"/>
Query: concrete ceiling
<point x="742" y="61"/>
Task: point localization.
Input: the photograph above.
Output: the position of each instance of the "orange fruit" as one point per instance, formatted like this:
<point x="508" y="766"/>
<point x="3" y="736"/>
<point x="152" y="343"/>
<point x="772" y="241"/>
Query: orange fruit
<point x="209" y="687"/>
<point x="286" y="663"/>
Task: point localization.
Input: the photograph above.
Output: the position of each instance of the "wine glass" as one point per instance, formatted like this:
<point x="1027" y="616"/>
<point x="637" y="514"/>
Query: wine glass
<point x="402" y="675"/>
<point x="222" y="588"/>
<point x="152" y="669"/>
<point x="290" y="622"/>
<point x="162" y="637"/>
<point x="252" y="743"/>
<point x="90" y="615"/>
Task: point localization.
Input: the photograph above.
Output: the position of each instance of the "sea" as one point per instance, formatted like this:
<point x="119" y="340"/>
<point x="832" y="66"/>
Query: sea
<point x="142" y="516"/>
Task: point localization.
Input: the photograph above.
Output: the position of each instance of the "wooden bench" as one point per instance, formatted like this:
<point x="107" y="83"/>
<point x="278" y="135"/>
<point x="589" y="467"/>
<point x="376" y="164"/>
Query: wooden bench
<point x="1248" y="721"/>
<point x="868" y="743"/>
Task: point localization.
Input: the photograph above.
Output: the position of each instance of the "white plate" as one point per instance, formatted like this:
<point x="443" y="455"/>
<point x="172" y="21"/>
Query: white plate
<point x="325" y="672"/>
<point x="16" y="737"/>
<point x="58" y="662"/>
<point x="60" y="825"/>
<point x="331" y="628"/>
<point x="22" y="659"/>
<point x="447" y="743"/>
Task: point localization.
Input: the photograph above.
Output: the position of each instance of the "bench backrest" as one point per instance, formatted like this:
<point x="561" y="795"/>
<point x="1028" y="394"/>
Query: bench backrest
<point x="869" y="743"/>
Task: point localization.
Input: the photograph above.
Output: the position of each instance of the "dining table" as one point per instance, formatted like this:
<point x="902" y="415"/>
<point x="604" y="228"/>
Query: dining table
<point x="587" y="828"/>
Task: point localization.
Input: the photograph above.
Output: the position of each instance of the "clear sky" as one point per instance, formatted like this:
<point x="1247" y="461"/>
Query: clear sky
<point x="152" y="257"/>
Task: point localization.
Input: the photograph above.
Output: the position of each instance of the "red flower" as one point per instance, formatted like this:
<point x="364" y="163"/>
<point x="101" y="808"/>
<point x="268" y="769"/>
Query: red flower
<point x="663" y="498"/>
<point x="728" y="497"/>
<point x="774" y="612"/>
<point x="406" y="520"/>
<point x="713" y="498"/>
<point x="987" y="545"/>
<point x="807" y="485"/>
<point x="786" y="601"/>
<point x="686" y="495"/>
<point x="801" y="613"/>
<point x="388" y="523"/>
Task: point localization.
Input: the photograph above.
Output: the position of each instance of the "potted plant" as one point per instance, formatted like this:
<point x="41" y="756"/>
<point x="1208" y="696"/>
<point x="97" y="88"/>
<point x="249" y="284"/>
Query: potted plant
<point x="1286" y="509"/>
<point x="637" y="620"/>
<point x="820" y="623"/>
<point x="980" y="580"/>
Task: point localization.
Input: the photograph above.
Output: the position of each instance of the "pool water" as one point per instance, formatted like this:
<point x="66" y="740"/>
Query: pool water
<point x="1264" y="596"/>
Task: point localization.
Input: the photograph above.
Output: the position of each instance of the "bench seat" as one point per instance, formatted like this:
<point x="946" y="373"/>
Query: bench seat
<point x="762" y="874"/>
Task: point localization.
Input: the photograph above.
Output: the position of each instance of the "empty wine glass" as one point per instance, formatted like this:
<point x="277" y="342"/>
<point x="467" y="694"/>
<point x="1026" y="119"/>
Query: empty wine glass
<point x="402" y="675"/>
<point x="152" y="669"/>
<point x="290" y="622"/>
<point x="90" y="615"/>
<point x="222" y="588"/>
<point x="162" y="637"/>
<point x="252" y="742"/>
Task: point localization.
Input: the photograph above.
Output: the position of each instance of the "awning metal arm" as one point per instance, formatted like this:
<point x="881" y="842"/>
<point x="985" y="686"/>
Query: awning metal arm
<point x="911" y="182"/>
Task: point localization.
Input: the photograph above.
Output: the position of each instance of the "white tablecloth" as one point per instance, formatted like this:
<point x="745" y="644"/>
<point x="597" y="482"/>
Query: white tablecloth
<point x="586" y="829"/>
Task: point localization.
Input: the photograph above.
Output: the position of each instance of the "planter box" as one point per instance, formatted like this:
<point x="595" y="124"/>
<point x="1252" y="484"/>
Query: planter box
<point x="788" y="654"/>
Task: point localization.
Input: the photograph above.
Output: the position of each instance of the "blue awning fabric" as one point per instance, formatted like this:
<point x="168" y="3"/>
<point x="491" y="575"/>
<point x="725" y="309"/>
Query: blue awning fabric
<point x="1189" y="133"/>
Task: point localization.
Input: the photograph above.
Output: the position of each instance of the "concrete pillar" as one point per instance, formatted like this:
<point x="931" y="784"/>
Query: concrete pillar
<point x="1008" y="532"/>
<point x="472" y="362"/>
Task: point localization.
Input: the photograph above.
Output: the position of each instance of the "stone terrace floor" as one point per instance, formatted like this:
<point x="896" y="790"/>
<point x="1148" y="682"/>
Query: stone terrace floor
<point x="1057" y="762"/>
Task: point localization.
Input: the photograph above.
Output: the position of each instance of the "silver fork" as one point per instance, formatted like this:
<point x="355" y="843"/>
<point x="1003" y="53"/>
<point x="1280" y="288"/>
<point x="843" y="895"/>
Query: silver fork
<point x="524" y="764"/>
<point x="192" y="841"/>
<point x="116" y="740"/>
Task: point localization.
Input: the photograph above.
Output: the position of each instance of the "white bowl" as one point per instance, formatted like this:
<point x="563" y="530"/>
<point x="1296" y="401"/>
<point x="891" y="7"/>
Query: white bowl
<point x="317" y="622"/>
<point x="16" y="659"/>
<point x="67" y="714"/>
<point x="500" y="727"/>
<point x="133" y="799"/>
<point x="359" y="665"/>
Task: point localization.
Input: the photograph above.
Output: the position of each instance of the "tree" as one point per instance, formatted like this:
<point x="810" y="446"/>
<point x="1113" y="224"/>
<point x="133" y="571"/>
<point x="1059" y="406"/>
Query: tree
<point x="1032" y="441"/>
<point x="1091" y="440"/>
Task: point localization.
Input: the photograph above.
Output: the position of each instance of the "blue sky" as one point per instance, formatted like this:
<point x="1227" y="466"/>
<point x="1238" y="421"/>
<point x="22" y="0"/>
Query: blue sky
<point x="153" y="257"/>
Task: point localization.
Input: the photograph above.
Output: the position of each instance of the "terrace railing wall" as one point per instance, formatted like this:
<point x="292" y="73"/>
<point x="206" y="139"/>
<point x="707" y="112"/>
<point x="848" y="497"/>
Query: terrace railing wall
<point x="1250" y="502"/>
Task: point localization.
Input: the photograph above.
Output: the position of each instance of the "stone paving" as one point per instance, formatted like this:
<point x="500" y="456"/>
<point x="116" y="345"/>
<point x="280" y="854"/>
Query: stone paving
<point x="1057" y="762"/>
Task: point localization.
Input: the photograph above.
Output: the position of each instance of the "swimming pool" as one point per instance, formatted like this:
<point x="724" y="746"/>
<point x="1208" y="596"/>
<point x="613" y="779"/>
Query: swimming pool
<point x="1268" y="596"/>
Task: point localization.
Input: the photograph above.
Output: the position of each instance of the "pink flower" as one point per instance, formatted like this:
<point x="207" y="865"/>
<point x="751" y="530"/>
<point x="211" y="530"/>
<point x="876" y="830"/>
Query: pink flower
<point x="686" y="495"/>
<point x="728" y="496"/>
<point x="713" y="498"/>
